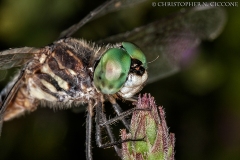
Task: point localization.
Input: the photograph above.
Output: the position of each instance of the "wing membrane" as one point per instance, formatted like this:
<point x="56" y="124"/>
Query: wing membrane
<point x="16" y="57"/>
<point x="174" y="39"/>
<point x="105" y="8"/>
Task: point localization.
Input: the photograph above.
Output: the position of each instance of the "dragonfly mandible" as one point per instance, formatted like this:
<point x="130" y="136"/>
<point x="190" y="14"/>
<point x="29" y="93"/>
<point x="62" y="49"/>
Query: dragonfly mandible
<point x="74" y="71"/>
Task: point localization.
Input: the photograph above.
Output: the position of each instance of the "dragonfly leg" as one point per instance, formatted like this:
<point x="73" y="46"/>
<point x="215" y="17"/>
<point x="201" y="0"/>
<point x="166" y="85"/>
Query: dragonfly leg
<point x="101" y="121"/>
<point x="122" y="115"/>
<point x="89" y="126"/>
<point x="118" y="110"/>
<point x="88" y="136"/>
<point x="101" y="118"/>
<point x="106" y="145"/>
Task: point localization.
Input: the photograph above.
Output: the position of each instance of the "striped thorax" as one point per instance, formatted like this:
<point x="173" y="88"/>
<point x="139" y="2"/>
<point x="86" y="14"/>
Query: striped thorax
<point x="60" y="74"/>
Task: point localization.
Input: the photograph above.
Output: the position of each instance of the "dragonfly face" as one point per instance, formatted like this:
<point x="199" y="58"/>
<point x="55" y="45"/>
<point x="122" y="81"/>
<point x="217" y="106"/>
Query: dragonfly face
<point x="121" y="70"/>
<point x="74" y="71"/>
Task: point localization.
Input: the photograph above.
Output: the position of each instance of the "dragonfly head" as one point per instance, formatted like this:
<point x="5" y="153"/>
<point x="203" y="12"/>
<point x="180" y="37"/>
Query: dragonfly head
<point x="121" y="70"/>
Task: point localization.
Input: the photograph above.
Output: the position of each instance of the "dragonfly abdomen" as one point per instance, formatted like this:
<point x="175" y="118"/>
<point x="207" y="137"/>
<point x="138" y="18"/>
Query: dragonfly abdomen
<point x="20" y="104"/>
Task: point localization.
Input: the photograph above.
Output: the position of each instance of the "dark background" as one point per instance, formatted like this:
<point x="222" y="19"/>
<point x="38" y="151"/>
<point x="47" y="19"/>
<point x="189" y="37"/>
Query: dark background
<point x="202" y="102"/>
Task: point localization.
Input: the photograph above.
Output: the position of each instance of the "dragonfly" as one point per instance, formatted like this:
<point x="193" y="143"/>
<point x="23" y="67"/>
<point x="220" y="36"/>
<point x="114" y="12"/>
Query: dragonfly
<point x="75" y="72"/>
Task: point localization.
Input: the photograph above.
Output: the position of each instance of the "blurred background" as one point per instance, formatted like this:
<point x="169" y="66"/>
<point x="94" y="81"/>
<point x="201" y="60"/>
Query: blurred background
<point x="202" y="102"/>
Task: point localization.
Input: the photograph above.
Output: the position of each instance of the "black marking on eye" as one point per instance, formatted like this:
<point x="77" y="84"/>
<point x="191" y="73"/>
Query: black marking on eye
<point x="110" y="86"/>
<point x="103" y="84"/>
<point x="122" y="74"/>
<point x="136" y="67"/>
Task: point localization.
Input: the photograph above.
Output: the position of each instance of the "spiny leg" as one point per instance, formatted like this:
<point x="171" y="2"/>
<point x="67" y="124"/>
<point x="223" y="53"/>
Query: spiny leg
<point x="101" y="118"/>
<point x="118" y="110"/>
<point x="88" y="136"/>
<point x="122" y="115"/>
<point x="101" y="121"/>
<point x="89" y="125"/>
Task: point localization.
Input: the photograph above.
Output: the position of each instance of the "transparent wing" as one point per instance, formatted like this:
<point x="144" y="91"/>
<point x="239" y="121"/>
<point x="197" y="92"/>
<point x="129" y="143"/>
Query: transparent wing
<point x="16" y="57"/>
<point x="174" y="39"/>
<point x="105" y="8"/>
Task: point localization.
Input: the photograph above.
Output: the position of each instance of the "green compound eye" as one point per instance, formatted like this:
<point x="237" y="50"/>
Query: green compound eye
<point x="112" y="71"/>
<point x="135" y="52"/>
